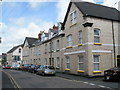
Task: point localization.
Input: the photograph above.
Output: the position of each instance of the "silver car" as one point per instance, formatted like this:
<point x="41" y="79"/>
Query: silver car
<point x="46" y="70"/>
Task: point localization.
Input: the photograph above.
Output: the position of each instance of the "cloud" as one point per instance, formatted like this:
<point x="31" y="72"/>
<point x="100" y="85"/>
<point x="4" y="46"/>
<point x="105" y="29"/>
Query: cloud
<point x="17" y="21"/>
<point x="37" y="3"/>
<point x="15" y="34"/>
<point x="111" y="3"/>
<point x="62" y="9"/>
<point x="89" y="1"/>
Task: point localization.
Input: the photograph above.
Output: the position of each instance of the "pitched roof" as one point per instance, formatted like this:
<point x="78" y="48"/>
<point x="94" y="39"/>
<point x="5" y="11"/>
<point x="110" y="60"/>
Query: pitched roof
<point x="95" y="10"/>
<point x="13" y="49"/>
<point x="31" y="40"/>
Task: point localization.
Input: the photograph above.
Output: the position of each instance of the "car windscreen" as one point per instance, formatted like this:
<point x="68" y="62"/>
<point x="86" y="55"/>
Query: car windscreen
<point x="8" y="65"/>
<point x="116" y="68"/>
<point x="33" y="66"/>
<point x="27" y="65"/>
<point x="51" y="67"/>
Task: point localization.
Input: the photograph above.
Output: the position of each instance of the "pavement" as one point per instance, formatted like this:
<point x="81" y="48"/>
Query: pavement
<point x="78" y="77"/>
<point x="91" y="80"/>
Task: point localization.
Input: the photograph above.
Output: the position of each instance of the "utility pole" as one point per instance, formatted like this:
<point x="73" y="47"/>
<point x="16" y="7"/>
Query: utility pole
<point x="114" y="49"/>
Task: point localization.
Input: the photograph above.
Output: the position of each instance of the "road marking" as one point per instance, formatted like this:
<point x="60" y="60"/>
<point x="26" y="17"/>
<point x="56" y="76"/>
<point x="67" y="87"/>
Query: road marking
<point x="101" y="86"/>
<point x="12" y="80"/>
<point x="91" y="83"/>
<point x="85" y="82"/>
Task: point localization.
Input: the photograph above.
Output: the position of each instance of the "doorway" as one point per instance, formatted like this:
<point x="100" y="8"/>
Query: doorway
<point x="118" y="60"/>
<point x="51" y="61"/>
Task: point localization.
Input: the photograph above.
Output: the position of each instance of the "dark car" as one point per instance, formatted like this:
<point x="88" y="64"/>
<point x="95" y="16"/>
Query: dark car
<point x="112" y="74"/>
<point x="31" y="68"/>
<point x="26" y="67"/>
<point x="35" y="70"/>
<point x="21" y="66"/>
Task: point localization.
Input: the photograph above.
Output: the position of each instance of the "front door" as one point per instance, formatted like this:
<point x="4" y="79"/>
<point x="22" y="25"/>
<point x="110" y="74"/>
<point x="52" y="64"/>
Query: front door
<point x="52" y="62"/>
<point x="118" y="60"/>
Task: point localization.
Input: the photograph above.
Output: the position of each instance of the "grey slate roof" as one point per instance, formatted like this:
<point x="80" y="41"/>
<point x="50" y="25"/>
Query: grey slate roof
<point x="95" y="10"/>
<point x="13" y="49"/>
<point x="31" y="40"/>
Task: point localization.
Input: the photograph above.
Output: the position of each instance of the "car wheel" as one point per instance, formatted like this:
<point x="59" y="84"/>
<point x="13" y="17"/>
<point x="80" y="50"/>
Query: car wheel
<point x="37" y="73"/>
<point x="43" y="74"/>
<point x="107" y="78"/>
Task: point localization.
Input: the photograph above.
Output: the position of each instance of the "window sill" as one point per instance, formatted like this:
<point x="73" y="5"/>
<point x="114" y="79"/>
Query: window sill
<point x="67" y="69"/>
<point x="68" y="47"/>
<point x="73" y="25"/>
<point x="81" y="71"/>
<point x="97" y="71"/>
<point x="97" y="43"/>
<point x="80" y="45"/>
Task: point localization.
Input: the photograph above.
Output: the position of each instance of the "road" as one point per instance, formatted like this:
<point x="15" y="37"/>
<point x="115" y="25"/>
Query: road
<point x="24" y="79"/>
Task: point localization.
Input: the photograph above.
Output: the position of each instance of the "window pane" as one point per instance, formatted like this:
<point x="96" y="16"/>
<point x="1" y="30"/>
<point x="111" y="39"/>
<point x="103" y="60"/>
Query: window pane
<point x="80" y="58"/>
<point x="81" y="66"/>
<point x="97" y="32"/>
<point x="68" y="65"/>
<point x="96" y="58"/>
<point x="74" y="14"/>
<point x="96" y="39"/>
<point x="80" y="37"/>
<point x="96" y="66"/>
<point x="69" y="40"/>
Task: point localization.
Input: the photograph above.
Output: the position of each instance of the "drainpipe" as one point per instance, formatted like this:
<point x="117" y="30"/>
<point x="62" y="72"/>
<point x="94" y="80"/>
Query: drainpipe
<point x="114" y="45"/>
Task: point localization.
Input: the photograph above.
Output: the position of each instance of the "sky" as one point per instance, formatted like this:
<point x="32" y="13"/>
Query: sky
<point x="26" y="18"/>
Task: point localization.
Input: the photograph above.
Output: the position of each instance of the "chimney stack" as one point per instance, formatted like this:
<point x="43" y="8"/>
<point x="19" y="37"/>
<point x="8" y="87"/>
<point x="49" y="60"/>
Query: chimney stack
<point x="39" y="35"/>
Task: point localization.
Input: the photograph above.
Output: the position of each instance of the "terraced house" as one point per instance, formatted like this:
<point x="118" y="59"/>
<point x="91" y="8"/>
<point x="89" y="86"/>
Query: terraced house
<point x="86" y="43"/>
<point x="14" y="55"/>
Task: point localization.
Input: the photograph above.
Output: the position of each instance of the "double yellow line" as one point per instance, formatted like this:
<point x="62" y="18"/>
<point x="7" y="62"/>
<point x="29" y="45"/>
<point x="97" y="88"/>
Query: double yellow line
<point x="12" y="80"/>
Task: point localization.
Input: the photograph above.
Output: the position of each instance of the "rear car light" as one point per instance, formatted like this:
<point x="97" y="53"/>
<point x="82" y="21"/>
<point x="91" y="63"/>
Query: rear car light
<point x="115" y="71"/>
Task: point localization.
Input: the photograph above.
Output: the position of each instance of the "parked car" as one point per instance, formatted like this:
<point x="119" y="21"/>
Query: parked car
<point x="21" y="66"/>
<point x="31" y="68"/>
<point x="46" y="70"/>
<point x="112" y="74"/>
<point x="13" y="66"/>
<point x="36" y="68"/>
<point x="7" y="67"/>
<point x="3" y="67"/>
<point x="26" y="67"/>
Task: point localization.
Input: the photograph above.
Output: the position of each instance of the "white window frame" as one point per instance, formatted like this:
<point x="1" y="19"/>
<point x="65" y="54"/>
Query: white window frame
<point x="80" y="62"/>
<point x="73" y="17"/>
<point x="80" y="37"/>
<point x="94" y="62"/>
<point x="69" y="40"/>
<point x="96" y="36"/>
<point x="67" y="62"/>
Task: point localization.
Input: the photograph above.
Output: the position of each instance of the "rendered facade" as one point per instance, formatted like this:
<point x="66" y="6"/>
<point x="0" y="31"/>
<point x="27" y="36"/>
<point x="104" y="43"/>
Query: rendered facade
<point x="14" y="55"/>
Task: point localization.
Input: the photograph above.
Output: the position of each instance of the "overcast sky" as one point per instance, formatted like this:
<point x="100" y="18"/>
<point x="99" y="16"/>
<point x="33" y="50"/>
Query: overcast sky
<point x="26" y="18"/>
